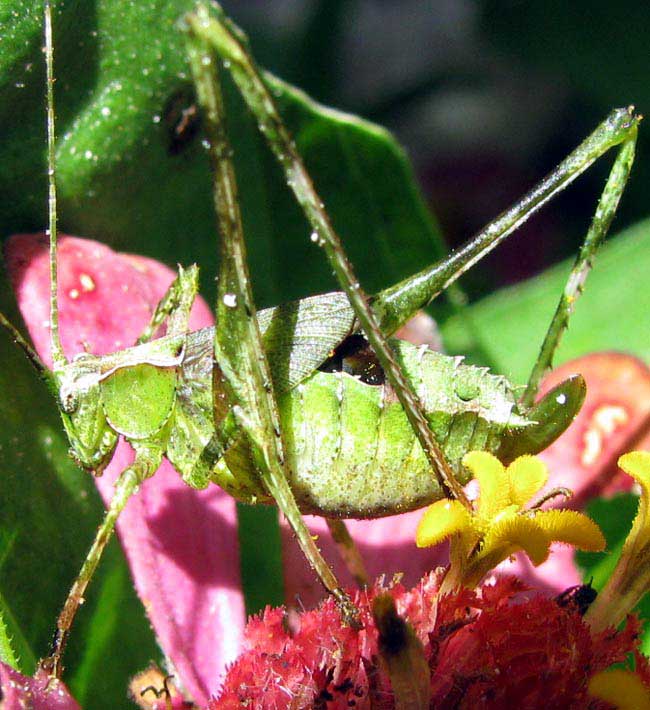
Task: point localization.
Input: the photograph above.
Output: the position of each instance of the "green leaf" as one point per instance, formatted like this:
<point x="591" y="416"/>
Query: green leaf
<point x="119" y="183"/>
<point x="121" y="73"/>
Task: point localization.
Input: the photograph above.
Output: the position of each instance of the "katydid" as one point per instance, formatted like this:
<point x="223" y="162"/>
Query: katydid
<point x="308" y="404"/>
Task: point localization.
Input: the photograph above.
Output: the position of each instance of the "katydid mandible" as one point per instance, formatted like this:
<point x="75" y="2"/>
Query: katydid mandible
<point x="243" y="404"/>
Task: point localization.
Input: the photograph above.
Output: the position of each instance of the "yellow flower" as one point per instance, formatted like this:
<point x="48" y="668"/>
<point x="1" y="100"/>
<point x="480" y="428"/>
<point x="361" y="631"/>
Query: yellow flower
<point x="631" y="577"/>
<point x="499" y="525"/>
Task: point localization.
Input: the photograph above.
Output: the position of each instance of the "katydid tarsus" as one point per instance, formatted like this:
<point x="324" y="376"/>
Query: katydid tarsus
<point x="291" y="405"/>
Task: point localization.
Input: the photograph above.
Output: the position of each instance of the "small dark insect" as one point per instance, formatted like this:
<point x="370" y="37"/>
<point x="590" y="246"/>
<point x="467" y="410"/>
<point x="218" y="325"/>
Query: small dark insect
<point x="181" y="119"/>
<point x="578" y="598"/>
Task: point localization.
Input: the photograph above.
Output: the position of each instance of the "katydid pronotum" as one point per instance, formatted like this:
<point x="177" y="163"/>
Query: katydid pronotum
<point x="307" y="404"/>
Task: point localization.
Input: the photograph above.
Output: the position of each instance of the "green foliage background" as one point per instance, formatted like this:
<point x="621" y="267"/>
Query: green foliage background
<point x="118" y="65"/>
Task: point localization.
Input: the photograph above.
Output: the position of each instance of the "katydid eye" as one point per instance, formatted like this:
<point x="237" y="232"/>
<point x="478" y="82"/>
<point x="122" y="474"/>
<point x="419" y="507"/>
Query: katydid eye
<point x="69" y="402"/>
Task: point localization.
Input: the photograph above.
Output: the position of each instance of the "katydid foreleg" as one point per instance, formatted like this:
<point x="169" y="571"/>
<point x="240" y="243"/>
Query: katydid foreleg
<point x="146" y="462"/>
<point x="148" y="444"/>
<point x="175" y="305"/>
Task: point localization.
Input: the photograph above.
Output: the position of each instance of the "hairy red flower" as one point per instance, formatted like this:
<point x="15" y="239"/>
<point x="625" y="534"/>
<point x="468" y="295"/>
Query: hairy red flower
<point x="499" y="646"/>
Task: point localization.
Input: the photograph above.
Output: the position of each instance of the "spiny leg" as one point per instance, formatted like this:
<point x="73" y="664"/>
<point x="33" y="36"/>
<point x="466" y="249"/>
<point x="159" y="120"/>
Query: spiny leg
<point x="221" y="34"/>
<point x="175" y="306"/>
<point x="241" y="365"/>
<point x="146" y="462"/>
<point x="602" y="219"/>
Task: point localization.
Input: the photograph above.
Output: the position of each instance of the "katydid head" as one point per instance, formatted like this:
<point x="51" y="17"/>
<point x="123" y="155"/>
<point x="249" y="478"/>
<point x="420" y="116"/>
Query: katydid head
<point x="91" y="438"/>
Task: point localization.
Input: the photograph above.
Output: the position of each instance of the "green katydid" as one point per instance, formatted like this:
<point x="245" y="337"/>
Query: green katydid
<point x="291" y="404"/>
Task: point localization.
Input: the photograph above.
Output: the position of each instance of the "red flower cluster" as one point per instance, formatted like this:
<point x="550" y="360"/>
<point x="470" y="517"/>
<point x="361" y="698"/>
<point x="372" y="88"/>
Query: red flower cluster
<point x="497" y="647"/>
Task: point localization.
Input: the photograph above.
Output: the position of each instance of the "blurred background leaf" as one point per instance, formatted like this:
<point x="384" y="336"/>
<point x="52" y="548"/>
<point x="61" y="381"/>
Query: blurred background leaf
<point x="485" y="96"/>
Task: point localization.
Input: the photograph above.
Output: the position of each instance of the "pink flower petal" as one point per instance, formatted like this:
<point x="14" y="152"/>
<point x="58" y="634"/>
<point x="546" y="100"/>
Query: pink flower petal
<point x="181" y="544"/>
<point x="387" y="546"/>
<point x="421" y="330"/>
<point x="18" y="692"/>
<point x="614" y="419"/>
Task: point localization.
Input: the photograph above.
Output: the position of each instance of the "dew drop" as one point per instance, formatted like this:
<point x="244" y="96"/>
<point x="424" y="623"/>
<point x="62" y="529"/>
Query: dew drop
<point x="87" y="283"/>
<point x="230" y="300"/>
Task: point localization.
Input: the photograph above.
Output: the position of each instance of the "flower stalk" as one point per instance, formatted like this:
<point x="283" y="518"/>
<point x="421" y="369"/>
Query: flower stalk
<point x="631" y="577"/>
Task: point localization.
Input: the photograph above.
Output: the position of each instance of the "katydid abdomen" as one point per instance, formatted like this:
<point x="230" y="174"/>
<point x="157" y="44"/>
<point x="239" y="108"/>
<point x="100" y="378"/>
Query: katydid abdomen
<point x="351" y="452"/>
